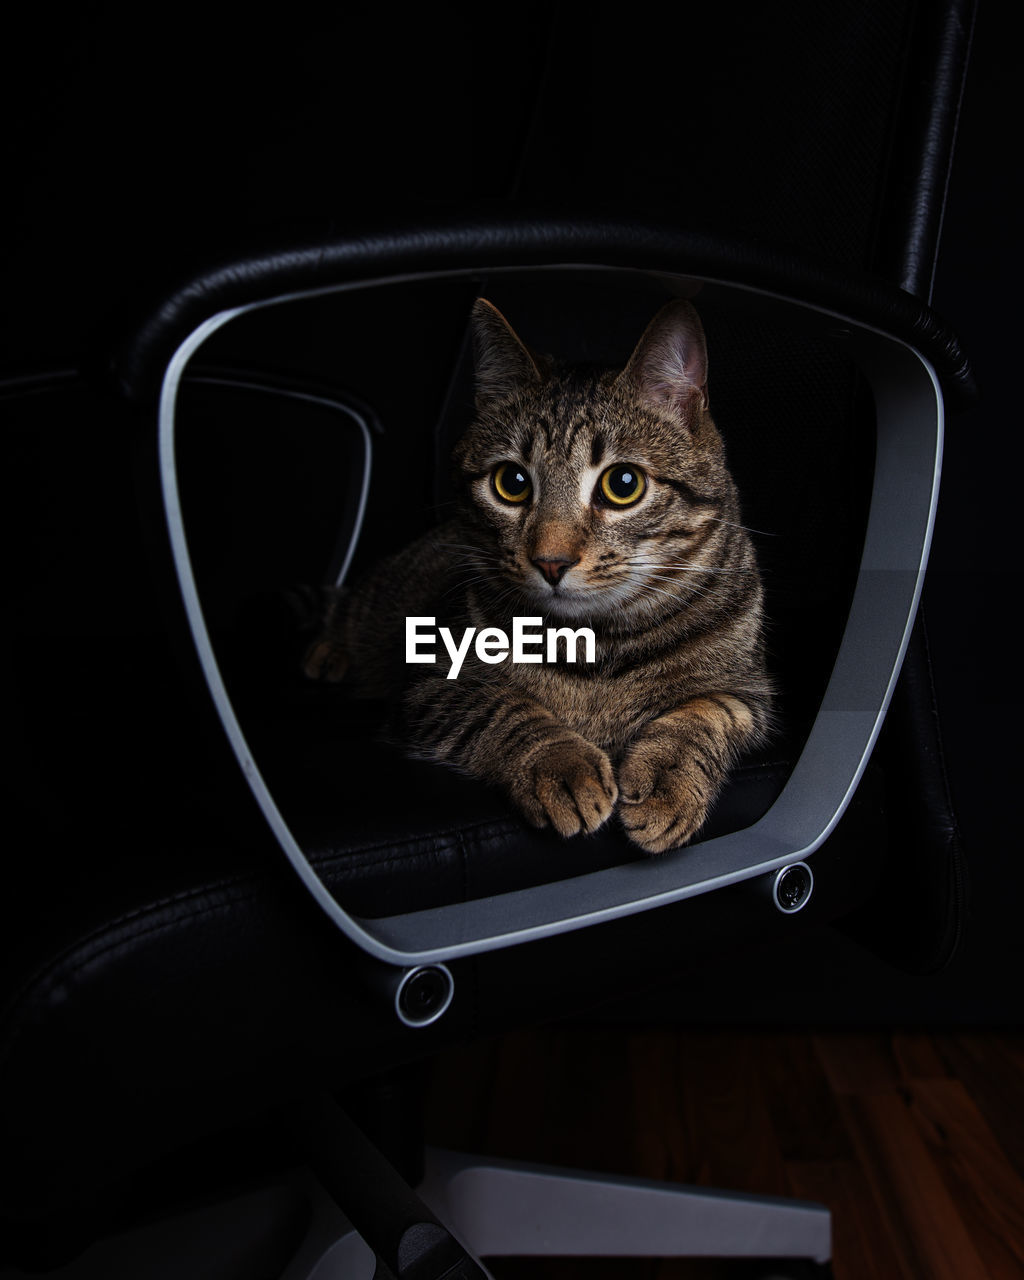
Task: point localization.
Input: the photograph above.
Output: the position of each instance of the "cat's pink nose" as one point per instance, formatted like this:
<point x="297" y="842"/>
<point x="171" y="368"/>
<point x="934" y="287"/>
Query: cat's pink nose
<point x="555" y="569"/>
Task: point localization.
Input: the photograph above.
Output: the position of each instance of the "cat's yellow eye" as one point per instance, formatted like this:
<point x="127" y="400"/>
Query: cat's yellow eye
<point x="622" y="485"/>
<point x="512" y="482"/>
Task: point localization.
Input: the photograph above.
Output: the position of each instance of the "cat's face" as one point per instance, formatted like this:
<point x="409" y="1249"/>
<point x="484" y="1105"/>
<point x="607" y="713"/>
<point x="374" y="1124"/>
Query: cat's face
<point x="597" y="494"/>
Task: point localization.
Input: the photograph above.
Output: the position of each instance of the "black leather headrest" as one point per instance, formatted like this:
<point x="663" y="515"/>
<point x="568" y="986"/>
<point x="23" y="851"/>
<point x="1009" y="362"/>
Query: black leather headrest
<point x="491" y="242"/>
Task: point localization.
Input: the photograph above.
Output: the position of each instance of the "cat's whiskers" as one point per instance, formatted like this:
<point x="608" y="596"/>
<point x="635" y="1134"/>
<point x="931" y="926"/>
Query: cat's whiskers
<point x="696" y="568"/>
<point x="687" y="586"/>
<point x="766" y="533"/>
<point x="483" y="563"/>
<point x="470" y="573"/>
<point x="467" y="546"/>
<point x="687" y="594"/>
<point x="681" y="573"/>
<point x="466" y="551"/>
<point x="684" y="583"/>
<point x="688" y="583"/>
<point x="679" y="598"/>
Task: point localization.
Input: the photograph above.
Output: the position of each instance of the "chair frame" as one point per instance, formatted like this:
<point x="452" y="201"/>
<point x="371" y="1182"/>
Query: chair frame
<point x="909" y="416"/>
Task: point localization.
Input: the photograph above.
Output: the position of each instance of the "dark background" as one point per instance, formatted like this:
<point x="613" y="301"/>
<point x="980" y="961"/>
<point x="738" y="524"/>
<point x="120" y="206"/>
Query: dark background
<point x="139" y="145"/>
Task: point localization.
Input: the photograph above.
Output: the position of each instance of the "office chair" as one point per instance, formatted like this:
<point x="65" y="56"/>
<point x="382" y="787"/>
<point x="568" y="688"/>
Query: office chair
<point x="177" y="995"/>
<point x="210" y="981"/>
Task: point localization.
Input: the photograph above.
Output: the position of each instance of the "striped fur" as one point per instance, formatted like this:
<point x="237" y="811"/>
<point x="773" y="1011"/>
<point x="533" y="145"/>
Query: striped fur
<point x="669" y="585"/>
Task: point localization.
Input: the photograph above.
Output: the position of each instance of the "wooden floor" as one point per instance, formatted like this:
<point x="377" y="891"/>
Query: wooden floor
<point x="914" y="1141"/>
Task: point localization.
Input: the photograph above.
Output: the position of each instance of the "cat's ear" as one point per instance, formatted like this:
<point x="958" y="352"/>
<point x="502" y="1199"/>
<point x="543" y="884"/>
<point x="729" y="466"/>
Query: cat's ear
<point x="670" y="364"/>
<point x="503" y="363"/>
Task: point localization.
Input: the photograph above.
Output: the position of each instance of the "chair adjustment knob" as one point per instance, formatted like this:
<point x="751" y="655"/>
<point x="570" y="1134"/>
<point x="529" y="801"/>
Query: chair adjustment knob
<point x="792" y="887"/>
<point x="423" y="994"/>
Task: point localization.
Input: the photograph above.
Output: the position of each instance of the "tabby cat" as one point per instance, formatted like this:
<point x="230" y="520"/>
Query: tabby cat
<point x="589" y="497"/>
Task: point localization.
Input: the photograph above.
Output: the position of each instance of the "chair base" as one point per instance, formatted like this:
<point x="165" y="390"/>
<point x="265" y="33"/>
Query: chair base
<point x="500" y="1208"/>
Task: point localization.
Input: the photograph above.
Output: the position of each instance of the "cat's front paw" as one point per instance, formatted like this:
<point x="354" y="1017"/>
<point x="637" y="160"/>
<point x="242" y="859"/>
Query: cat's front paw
<point x="663" y="795"/>
<point x="569" y="784"/>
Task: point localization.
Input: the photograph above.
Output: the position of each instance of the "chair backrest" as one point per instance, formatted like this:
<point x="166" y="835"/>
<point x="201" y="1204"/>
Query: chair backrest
<point x="846" y="512"/>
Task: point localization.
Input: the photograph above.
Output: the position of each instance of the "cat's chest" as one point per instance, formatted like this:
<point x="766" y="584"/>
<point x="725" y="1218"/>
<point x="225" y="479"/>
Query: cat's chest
<point x="607" y="710"/>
